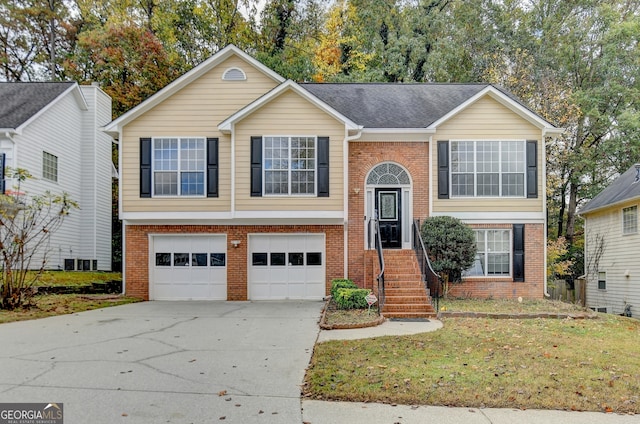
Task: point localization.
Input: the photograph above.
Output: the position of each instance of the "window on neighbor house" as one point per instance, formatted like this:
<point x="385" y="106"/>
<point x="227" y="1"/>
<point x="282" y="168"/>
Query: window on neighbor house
<point x="49" y="167"/>
<point x="630" y="220"/>
<point x="602" y="280"/>
<point x="493" y="257"/>
<point x="488" y="168"/>
<point x="179" y="166"/>
<point x="289" y="165"/>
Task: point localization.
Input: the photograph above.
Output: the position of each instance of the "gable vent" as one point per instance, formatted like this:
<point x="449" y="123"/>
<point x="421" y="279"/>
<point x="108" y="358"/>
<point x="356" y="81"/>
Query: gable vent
<point x="234" y="74"/>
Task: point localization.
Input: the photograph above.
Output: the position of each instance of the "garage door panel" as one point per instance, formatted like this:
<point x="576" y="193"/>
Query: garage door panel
<point x="183" y="268"/>
<point x="280" y="261"/>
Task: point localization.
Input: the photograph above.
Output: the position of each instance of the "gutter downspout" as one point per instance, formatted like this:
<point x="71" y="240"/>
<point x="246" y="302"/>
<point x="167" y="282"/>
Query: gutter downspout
<point x="233" y="171"/>
<point x="345" y="194"/>
<point x="123" y="224"/>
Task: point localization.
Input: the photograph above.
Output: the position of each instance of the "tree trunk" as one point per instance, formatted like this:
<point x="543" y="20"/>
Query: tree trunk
<point x="571" y="212"/>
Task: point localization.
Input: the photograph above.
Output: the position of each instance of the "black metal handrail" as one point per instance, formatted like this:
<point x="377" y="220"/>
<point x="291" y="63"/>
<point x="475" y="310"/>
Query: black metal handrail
<point x="431" y="280"/>
<point x="381" y="262"/>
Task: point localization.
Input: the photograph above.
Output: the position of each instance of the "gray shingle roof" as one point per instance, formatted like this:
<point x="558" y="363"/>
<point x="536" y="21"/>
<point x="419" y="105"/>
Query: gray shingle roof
<point x="621" y="189"/>
<point x="390" y="105"/>
<point x="19" y="101"/>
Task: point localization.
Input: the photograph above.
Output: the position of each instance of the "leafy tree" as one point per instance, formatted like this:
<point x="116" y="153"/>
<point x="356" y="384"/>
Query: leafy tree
<point x="289" y="34"/>
<point x="451" y="246"/>
<point x="26" y="225"/>
<point x="129" y="62"/>
<point x="34" y="36"/>
<point x="340" y="52"/>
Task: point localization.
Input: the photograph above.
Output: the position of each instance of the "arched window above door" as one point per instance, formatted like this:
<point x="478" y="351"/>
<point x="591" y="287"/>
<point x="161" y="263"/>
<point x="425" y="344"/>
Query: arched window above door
<point x="388" y="174"/>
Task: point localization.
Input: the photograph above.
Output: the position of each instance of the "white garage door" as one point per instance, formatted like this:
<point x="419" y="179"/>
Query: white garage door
<point x="290" y="266"/>
<point x="189" y="268"/>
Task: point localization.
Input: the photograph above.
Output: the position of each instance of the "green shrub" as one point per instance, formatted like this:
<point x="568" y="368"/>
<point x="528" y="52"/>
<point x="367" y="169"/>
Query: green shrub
<point x="451" y="246"/>
<point x="341" y="283"/>
<point x="351" y="298"/>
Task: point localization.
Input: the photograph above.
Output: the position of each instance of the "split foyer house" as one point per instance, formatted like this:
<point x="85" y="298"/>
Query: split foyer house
<point x="52" y="129"/>
<point x="238" y="184"/>
<point x="611" y="246"/>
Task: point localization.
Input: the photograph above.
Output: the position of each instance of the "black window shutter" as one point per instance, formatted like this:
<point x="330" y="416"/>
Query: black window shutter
<point x="212" y="167"/>
<point x="3" y="158"/>
<point x="323" y="166"/>
<point x="518" y="253"/>
<point x="443" y="169"/>
<point x="145" y="167"/>
<point x="256" y="166"/>
<point x="532" y="169"/>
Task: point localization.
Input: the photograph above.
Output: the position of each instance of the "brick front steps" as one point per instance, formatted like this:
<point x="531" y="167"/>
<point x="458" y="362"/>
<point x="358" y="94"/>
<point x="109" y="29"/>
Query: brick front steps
<point x="405" y="294"/>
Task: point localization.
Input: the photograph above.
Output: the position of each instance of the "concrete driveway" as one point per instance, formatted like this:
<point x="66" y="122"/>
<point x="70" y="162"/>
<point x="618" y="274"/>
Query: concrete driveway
<point x="164" y="362"/>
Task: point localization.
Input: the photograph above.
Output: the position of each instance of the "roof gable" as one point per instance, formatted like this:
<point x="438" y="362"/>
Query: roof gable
<point x="625" y="187"/>
<point x="195" y="73"/>
<point x="289" y="85"/>
<point x="24" y="101"/>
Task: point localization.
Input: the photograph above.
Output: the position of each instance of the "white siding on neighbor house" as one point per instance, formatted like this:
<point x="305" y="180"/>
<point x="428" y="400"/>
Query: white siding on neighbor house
<point x="56" y="131"/>
<point x="60" y="132"/>
<point x="619" y="257"/>
<point x="96" y="197"/>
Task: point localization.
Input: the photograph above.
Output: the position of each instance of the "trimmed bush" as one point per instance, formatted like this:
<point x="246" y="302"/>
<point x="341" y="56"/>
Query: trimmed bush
<point x="341" y="283"/>
<point x="351" y="298"/>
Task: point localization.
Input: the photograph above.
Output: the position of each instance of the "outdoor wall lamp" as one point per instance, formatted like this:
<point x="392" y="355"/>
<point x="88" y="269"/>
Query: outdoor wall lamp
<point x="235" y="243"/>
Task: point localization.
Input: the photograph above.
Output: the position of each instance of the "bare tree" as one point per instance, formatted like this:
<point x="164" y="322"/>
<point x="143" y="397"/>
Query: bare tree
<point x="26" y="225"/>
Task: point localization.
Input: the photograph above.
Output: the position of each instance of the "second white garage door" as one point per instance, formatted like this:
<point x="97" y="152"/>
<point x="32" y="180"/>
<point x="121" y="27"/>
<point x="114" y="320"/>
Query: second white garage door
<point x="188" y="267"/>
<point x="286" y="266"/>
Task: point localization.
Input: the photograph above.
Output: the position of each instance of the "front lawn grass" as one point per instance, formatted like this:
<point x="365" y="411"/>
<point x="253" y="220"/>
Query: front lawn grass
<point x="586" y="365"/>
<point x="74" y="278"/>
<point x="43" y="306"/>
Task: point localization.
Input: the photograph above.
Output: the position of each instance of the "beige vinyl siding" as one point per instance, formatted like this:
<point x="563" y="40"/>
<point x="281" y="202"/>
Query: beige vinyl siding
<point x="487" y="119"/>
<point x="289" y="115"/>
<point x="196" y="110"/>
<point x="620" y="254"/>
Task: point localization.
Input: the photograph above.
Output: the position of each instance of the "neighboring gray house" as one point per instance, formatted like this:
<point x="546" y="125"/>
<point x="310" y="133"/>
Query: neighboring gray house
<point x="51" y="129"/>
<point x="612" y="246"/>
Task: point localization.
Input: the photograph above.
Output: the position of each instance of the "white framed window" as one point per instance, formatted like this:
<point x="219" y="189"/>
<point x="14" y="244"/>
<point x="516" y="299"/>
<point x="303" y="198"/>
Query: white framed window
<point x="49" y="167"/>
<point x="630" y="220"/>
<point x="493" y="257"/>
<point x="486" y="168"/>
<point x="602" y="280"/>
<point x="289" y="165"/>
<point x="179" y="166"/>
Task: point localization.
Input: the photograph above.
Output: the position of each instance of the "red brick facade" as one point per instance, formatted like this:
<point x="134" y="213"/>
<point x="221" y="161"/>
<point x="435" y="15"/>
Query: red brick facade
<point x="414" y="157"/>
<point x="363" y="157"/>
<point x="137" y="252"/>
<point x="506" y="288"/>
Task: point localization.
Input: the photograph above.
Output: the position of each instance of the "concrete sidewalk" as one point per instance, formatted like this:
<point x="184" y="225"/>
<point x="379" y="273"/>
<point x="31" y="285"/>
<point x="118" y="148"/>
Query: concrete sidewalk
<point x="323" y="412"/>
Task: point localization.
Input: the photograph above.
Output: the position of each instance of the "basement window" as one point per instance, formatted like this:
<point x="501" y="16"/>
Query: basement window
<point x="602" y="280"/>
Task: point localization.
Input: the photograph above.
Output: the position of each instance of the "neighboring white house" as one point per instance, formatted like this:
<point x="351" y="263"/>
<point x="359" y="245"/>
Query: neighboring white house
<point x="612" y="246"/>
<point x="51" y="129"/>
